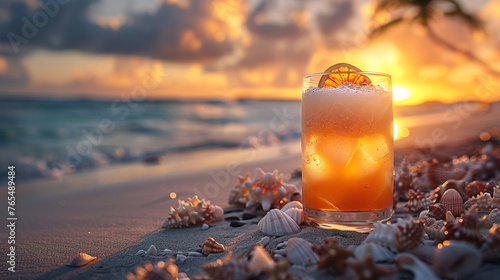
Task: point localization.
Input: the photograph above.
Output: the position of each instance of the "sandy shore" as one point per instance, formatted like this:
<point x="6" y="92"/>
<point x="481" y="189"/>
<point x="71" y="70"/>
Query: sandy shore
<point x="114" y="213"/>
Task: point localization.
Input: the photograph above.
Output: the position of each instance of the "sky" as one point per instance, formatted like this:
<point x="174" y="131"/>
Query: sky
<point x="234" y="49"/>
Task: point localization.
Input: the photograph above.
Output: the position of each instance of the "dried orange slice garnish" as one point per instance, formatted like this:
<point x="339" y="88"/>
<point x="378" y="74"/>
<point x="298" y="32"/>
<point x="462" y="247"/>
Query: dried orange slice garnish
<point x="341" y="76"/>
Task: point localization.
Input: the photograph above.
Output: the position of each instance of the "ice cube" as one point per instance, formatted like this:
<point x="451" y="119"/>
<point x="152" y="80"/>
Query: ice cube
<point x="337" y="149"/>
<point x="376" y="147"/>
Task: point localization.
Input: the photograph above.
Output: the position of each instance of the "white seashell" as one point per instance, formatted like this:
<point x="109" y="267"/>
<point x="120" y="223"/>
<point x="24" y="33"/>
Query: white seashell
<point x="168" y="251"/>
<point x="180" y="259"/>
<point x="264" y="241"/>
<point x="292" y="204"/>
<point x="277" y="223"/>
<point x="385" y="235"/>
<point x="152" y="251"/>
<point x="456" y="259"/>
<point x="419" y="269"/>
<point x="260" y="259"/>
<point x="378" y="253"/>
<point x="298" y="251"/>
<point x="204" y="227"/>
<point x="267" y="189"/>
<point x="423" y="214"/>
<point x="195" y="254"/>
<point x="140" y="253"/>
<point x="296" y="214"/>
<point x="81" y="259"/>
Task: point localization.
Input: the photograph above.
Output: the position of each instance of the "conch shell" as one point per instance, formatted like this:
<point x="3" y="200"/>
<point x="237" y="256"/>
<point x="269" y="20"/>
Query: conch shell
<point x="211" y="246"/>
<point x="193" y="212"/>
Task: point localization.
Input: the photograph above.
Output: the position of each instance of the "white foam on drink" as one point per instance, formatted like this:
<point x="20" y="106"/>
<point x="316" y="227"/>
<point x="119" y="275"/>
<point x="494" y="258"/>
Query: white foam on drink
<point x="348" y="89"/>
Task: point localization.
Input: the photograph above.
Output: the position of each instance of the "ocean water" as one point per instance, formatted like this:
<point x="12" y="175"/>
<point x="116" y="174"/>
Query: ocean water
<point x="44" y="138"/>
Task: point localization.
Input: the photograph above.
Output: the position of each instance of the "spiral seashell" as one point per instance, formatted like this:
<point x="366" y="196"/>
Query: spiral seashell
<point x="403" y="181"/>
<point x="465" y="229"/>
<point x="419" y="269"/>
<point x="292" y="204"/>
<point x="160" y="271"/>
<point x="383" y="234"/>
<point x="296" y="214"/>
<point x="482" y="201"/>
<point x="81" y="259"/>
<point x="409" y="235"/>
<point x="438" y="210"/>
<point x="298" y="251"/>
<point x="417" y="201"/>
<point x="277" y="223"/>
<point x="240" y="195"/>
<point x="453" y="202"/>
<point x="474" y="188"/>
<point x="379" y="253"/>
<point x="193" y="212"/>
<point x="456" y="259"/>
<point x="267" y="189"/>
<point x="331" y="256"/>
<point x="230" y="268"/>
<point x="491" y="247"/>
<point x="211" y="246"/>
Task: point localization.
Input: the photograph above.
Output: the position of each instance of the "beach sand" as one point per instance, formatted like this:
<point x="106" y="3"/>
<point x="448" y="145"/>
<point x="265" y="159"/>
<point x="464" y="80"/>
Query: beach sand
<point x="113" y="213"/>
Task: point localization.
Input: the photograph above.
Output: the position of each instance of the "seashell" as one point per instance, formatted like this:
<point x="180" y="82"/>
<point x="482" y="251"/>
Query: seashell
<point x="419" y="269"/>
<point x="298" y="251"/>
<point x="409" y="235"/>
<point x="458" y="185"/>
<point x="296" y="214"/>
<point x="161" y="271"/>
<point x="240" y="195"/>
<point x="280" y="271"/>
<point x="292" y="204"/>
<point x="424" y="251"/>
<point x="423" y="214"/>
<point x="493" y="217"/>
<point x="152" y="251"/>
<point x="230" y="268"/>
<point x="438" y="210"/>
<point x="465" y="229"/>
<point x="417" y="201"/>
<point x="259" y="259"/>
<point x="482" y="201"/>
<point x="438" y="173"/>
<point x="367" y="269"/>
<point x="211" y="246"/>
<point x="204" y="227"/>
<point x="495" y="203"/>
<point x="379" y="253"/>
<point x="193" y="212"/>
<point x="491" y="247"/>
<point x="403" y="181"/>
<point x="277" y="223"/>
<point x="435" y="234"/>
<point x="453" y="202"/>
<point x="81" y="259"/>
<point x="267" y="189"/>
<point x="383" y="234"/>
<point x="331" y="257"/>
<point x="456" y="259"/>
<point x="474" y="188"/>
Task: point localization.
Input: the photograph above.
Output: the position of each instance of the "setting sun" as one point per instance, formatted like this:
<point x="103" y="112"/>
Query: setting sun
<point x="400" y="93"/>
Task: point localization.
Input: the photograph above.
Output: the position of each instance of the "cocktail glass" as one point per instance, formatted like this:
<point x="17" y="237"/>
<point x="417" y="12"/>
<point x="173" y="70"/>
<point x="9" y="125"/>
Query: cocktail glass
<point x="347" y="151"/>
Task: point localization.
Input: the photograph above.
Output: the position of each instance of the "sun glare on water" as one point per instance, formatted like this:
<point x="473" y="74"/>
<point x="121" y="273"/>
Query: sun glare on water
<point x="395" y="129"/>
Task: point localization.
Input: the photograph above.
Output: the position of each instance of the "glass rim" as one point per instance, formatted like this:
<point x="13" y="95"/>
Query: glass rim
<point x="312" y="75"/>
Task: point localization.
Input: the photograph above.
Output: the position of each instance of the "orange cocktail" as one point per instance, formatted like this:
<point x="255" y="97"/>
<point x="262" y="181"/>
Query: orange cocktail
<point x="347" y="147"/>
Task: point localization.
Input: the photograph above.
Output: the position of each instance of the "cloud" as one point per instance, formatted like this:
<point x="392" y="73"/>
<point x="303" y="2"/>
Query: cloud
<point x="172" y="32"/>
<point x="12" y="73"/>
